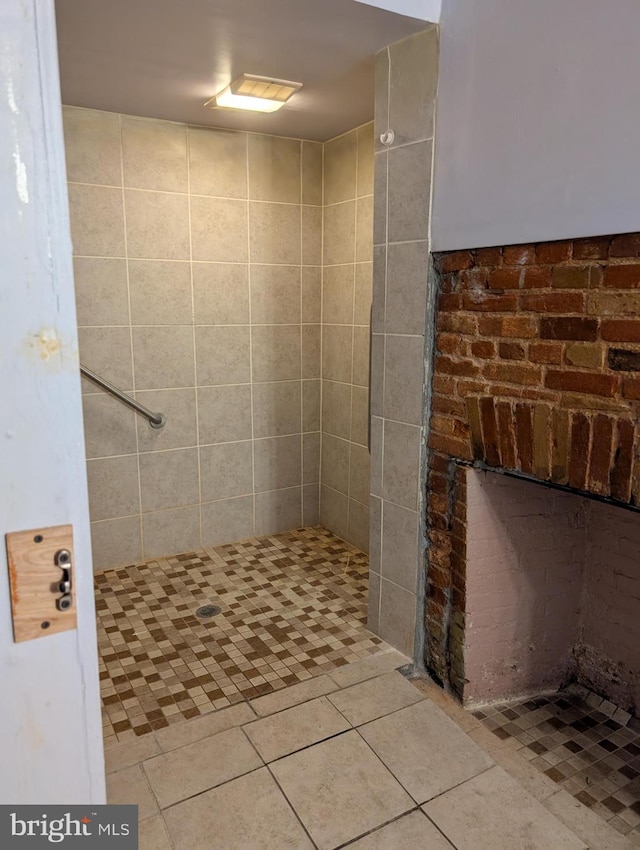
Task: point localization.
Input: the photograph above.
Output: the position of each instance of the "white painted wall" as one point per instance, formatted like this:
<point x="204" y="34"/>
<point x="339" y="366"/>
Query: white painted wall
<point x="50" y="724"/>
<point x="538" y="127"/>
<point x="426" y="10"/>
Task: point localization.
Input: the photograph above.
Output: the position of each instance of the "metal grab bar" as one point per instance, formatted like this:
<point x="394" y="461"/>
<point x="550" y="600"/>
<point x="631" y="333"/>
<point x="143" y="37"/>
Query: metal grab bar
<point x="156" y="420"/>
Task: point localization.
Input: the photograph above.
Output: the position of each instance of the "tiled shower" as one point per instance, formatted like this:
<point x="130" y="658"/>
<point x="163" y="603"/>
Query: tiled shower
<point x="199" y="259"/>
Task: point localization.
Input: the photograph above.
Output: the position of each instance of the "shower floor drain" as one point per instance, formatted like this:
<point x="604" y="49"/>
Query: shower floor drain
<point x="206" y="611"/>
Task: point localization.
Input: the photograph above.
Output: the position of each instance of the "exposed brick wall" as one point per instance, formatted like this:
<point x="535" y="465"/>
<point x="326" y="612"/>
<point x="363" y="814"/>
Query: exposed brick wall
<point x="537" y="370"/>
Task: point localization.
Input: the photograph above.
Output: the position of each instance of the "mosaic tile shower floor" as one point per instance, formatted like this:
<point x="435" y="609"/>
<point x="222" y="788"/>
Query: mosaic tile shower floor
<point x="292" y="606"/>
<point x="574" y="738"/>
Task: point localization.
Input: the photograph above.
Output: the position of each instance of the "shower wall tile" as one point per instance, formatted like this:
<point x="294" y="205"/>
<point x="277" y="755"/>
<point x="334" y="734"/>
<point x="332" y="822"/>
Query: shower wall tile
<point x="226" y="470"/>
<point x="92" y="146"/>
<point x="221" y="293"/>
<point x="224" y="414"/>
<point x="163" y="357"/>
<point x="227" y="520"/>
<point x="116" y="541"/>
<point x="175" y="530"/>
<point x="346" y="305"/>
<point x="109" y="427"/>
<point x="274" y="169"/>
<point x="157" y="225"/>
<point x="106" y="351"/>
<point x="278" y="510"/>
<point x="275" y="294"/>
<point x="218" y="163"/>
<point x="102" y="297"/>
<point x="113" y="487"/>
<point x="160" y="292"/>
<point x="276" y="352"/>
<point x="169" y="479"/>
<point x="274" y="233"/>
<point x="311" y="236"/>
<point x="310" y="406"/>
<point x="311" y="458"/>
<point x="154" y="155"/>
<point x="223" y="355"/>
<point x="277" y="408"/>
<point x="277" y="463"/>
<point x="311" y="504"/>
<point x="97" y="221"/>
<point x="219" y="230"/>
<point x="181" y="429"/>
<point x="312" y="173"/>
<point x="311" y="294"/>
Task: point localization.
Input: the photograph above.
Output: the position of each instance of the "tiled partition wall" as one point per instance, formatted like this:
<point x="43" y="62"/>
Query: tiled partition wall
<point x="346" y="303"/>
<point x="198" y="274"/>
<point x="406" y="79"/>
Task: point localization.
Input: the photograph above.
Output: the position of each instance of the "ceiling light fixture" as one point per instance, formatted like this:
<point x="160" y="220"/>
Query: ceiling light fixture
<point x="260" y="94"/>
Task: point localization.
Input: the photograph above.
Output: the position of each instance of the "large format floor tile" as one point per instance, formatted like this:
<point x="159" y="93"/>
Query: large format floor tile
<point x="130" y="786"/>
<point x="375" y="698"/>
<point x="249" y="813"/>
<point x="425" y="750"/>
<point x="152" y="834"/>
<point x="410" y="832"/>
<point x="295" y="728"/>
<point x="192" y="769"/>
<point x="340" y="790"/>
<point x="493" y="812"/>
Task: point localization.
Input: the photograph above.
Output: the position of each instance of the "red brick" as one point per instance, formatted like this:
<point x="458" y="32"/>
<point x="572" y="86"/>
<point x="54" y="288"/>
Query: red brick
<point x="483" y="348"/>
<point x="505" y="391"/>
<point x="457" y="323"/>
<point x="447" y="406"/>
<point x="466" y="368"/>
<point x="489" y="431"/>
<point x="524" y="437"/>
<point x="466" y="388"/>
<point x="545" y="352"/>
<point x="569" y="327"/>
<point x="553" y="252"/>
<point x="626" y="245"/>
<point x="454" y="261"/>
<point x="449" y="302"/>
<point x="488" y="256"/>
<point x="444" y="384"/>
<point x="623" y="276"/>
<point x="537" y="277"/>
<point x="448" y="282"/>
<point x="620" y="475"/>
<point x="631" y="388"/>
<point x="595" y="248"/>
<point x="504" y="278"/>
<point x="519" y="255"/>
<point x="506" y="435"/>
<point x="438" y="463"/>
<point x="579" y="455"/>
<point x="473" y="279"/>
<point x="570" y="277"/>
<point x="511" y="351"/>
<point x="513" y="373"/>
<point x="600" y="460"/>
<point x="487" y="301"/>
<point x="451" y="446"/>
<point x="582" y="382"/>
<point x="553" y="302"/>
<point x="448" y="343"/>
<point x="536" y="394"/>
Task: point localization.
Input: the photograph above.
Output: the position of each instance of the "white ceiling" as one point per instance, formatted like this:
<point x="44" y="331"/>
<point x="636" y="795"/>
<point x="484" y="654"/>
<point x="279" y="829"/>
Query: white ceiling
<point x="164" y="58"/>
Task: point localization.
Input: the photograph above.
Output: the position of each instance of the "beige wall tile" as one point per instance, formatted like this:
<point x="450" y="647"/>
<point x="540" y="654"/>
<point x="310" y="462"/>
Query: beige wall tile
<point x="337" y="347"/>
<point x="311" y="351"/>
<point x="375" y="534"/>
<point x="224" y="414"/>
<point x="337" y="294"/>
<point x="377" y="373"/>
<point x="157" y="225"/>
<point x="109" y="426"/>
<point x="221" y="293"/>
<point x="380" y="200"/>
<point x="339" y="233"/>
<point x="106" y="351"/>
<point x="274" y="169"/>
<point x="101" y="291"/>
<point x="219" y="230"/>
<point x="160" y="292"/>
<point x="311" y="406"/>
<point x="334" y="465"/>
<point x="364" y="229"/>
<point x="97" y="221"/>
<point x="226" y="471"/>
<point x="399" y="557"/>
<point x="364" y="289"/>
<point x="381" y="106"/>
<point x="277" y="463"/>
<point x="311" y="236"/>
<point x="311" y="294"/>
<point x="312" y="173"/>
<point x="358" y="530"/>
<point x="311" y="504"/>
<point x="406" y="292"/>
<point x="360" y="415"/>
<point x="171" y="532"/>
<point x="340" y="164"/>
<point x="222" y="355"/>
<point x="92" y="146"/>
<point x="397" y="616"/>
<point x="400" y="465"/>
<point x="311" y="458"/>
<point x="336" y="409"/>
<point x="365" y="160"/>
<point x="409" y="192"/>
<point x="359" y="474"/>
<point x="404" y="377"/>
<point x="278" y="510"/>
<point x="376" y="455"/>
<point x="163" y="357"/>
<point x="274" y="231"/>
<point x="115" y="542"/>
<point x="113" y="487"/>
<point x="179" y="406"/>
<point x="218" y="162"/>
<point x="154" y="154"/>
<point x="169" y="479"/>
<point x="275" y="294"/>
<point x="275" y="353"/>
<point x="373" y="619"/>
<point x="227" y="521"/>
<point x="334" y="511"/>
<point x="360" y="375"/>
<point x="379" y="285"/>
<point x="414" y="80"/>
<point x="276" y="409"/>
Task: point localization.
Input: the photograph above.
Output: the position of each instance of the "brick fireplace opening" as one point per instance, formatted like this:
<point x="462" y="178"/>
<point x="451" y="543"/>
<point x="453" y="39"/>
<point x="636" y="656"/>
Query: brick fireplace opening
<point x="536" y="376"/>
